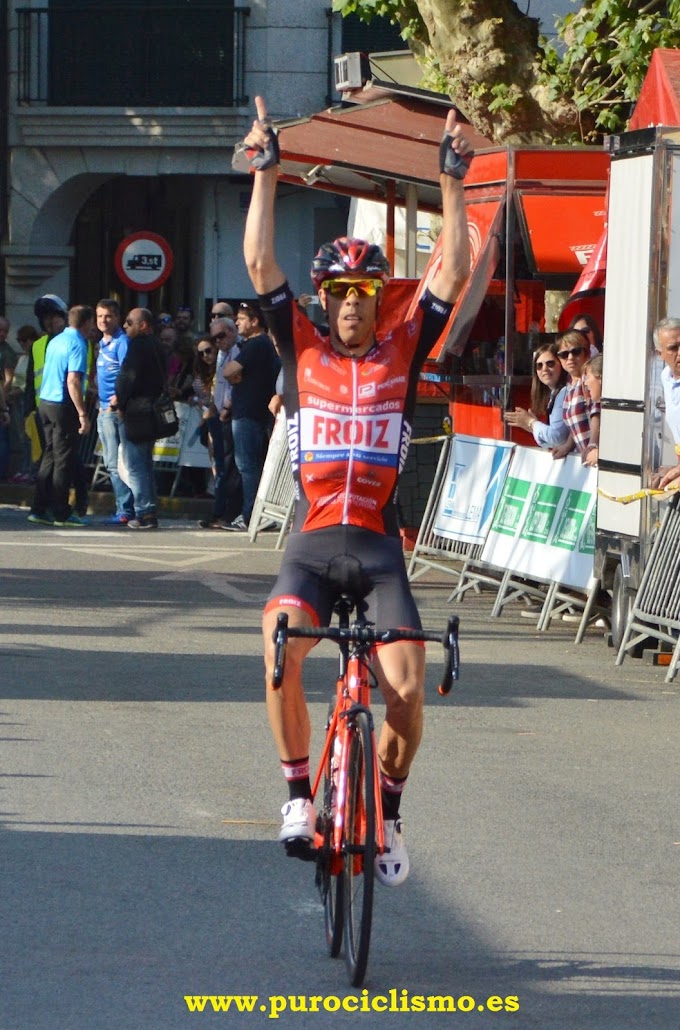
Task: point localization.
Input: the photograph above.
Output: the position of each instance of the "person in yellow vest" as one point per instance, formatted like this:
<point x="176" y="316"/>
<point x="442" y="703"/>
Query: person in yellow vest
<point x="52" y="314"/>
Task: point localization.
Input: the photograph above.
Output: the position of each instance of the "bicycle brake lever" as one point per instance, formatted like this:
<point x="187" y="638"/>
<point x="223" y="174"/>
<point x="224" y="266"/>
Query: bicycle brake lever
<point x="280" y="638"/>
<point x="452" y="667"/>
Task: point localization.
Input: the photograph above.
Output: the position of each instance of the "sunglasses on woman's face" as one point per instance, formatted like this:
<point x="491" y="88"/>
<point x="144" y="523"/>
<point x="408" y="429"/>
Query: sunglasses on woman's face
<point x="583" y="329"/>
<point x="563" y="355"/>
<point x="545" y="364"/>
<point x="206" y="350"/>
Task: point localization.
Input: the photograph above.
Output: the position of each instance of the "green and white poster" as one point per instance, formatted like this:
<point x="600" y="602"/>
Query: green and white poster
<point x="544" y="524"/>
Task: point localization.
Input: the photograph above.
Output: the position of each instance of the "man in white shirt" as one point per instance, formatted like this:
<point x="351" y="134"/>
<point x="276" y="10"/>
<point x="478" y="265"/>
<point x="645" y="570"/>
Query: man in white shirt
<point x="667" y="342"/>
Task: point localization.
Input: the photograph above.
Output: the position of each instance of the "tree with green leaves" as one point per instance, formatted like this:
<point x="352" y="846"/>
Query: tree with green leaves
<point x="513" y="84"/>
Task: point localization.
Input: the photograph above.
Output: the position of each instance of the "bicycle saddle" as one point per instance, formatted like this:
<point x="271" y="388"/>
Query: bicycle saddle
<point x="348" y="578"/>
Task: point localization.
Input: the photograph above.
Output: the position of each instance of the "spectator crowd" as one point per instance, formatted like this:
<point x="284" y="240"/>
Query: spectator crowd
<point x="91" y="371"/>
<point x="83" y="370"/>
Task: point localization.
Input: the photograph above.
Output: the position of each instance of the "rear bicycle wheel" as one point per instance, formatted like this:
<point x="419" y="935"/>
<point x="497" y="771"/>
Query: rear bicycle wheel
<point x="359" y="848"/>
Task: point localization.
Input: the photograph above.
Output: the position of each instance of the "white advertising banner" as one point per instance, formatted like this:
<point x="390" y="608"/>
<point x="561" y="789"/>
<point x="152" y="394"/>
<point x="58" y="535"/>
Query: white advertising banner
<point x="472" y="486"/>
<point x="544" y="525"/>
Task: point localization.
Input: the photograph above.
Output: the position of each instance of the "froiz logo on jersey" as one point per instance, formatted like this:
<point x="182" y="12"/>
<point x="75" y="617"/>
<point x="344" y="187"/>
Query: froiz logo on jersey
<point x="374" y="439"/>
<point x="293" y="431"/>
<point x="404" y="446"/>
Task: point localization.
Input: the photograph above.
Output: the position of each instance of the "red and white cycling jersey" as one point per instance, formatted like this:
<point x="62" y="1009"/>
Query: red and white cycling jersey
<point x="349" y="419"/>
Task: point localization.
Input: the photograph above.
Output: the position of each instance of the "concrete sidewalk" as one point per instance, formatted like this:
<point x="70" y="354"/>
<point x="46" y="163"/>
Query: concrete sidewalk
<point x="102" y="503"/>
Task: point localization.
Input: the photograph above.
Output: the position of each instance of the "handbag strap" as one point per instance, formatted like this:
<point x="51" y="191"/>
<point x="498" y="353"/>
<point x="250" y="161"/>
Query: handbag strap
<point x="164" y="376"/>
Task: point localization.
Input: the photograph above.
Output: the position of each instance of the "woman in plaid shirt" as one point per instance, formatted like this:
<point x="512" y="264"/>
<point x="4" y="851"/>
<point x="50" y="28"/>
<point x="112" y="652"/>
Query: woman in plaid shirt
<point x="581" y="414"/>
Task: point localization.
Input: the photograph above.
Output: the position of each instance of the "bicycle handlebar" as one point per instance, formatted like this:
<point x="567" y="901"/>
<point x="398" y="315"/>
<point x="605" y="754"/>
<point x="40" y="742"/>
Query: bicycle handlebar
<point x="368" y="636"/>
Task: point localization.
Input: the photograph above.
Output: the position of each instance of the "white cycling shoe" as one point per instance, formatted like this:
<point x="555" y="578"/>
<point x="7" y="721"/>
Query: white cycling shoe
<point x="299" y="820"/>
<point x="392" y="867"/>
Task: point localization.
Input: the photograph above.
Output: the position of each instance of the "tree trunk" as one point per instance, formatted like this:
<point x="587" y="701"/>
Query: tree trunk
<point x="487" y="52"/>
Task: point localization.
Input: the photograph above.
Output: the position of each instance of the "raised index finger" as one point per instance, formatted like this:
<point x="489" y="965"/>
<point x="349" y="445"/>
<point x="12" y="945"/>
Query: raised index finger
<point x="261" y="109"/>
<point x="451" y="120"/>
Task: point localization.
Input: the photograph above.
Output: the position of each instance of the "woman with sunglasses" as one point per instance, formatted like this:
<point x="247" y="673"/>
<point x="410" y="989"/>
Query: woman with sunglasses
<point x="581" y="414"/>
<point x="590" y="330"/>
<point x="205" y="366"/>
<point x="205" y="363"/>
<point x="548" y="387"/>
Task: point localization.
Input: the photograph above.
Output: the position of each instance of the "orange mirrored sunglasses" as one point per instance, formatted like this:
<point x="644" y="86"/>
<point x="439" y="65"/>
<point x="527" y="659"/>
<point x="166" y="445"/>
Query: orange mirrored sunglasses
<point x="342" y="287"/>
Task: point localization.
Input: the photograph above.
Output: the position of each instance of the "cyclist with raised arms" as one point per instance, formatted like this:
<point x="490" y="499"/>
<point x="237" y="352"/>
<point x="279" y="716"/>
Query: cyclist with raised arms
<point x="349" y="400"/>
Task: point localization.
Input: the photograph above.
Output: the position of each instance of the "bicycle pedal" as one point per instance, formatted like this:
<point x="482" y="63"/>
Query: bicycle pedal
<point x="300" y="847"/>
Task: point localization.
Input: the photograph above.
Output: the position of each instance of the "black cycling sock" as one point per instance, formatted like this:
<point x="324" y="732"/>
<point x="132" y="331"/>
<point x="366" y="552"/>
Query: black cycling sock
<point x="391" y="788"/>
<point x="300" y="789"/>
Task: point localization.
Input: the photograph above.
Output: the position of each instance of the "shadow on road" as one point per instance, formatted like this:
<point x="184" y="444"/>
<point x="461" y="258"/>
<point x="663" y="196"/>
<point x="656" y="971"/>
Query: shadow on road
<point x="111" y="930"/>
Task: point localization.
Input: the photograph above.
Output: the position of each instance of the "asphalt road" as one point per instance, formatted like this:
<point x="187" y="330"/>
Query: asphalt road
<point x="141" y="794"/>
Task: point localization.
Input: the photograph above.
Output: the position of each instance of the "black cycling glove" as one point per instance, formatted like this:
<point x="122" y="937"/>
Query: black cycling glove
<point x="263" y="159"/>
<point x="451" y="163"/>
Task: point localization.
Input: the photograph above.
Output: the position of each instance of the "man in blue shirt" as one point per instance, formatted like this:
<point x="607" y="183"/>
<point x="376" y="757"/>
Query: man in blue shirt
<point x="113" y="347"/>
<point x="64" y="418"/>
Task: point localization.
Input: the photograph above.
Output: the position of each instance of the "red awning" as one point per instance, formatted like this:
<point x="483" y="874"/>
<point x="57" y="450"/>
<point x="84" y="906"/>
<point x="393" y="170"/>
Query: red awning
<point x="561" y="229"/>
<point x="356" y="150"/>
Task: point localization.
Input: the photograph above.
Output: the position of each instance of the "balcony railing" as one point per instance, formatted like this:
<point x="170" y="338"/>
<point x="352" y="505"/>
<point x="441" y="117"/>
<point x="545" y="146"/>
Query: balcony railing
<point x="110" y="54"/>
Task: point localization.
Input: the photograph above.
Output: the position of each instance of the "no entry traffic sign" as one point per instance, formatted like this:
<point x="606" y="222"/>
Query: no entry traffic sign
<point x="143" y="261"/>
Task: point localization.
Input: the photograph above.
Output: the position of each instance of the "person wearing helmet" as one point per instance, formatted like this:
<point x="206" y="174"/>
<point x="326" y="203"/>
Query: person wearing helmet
<point x="52" y="314"/>
<point x="349" y="400"/>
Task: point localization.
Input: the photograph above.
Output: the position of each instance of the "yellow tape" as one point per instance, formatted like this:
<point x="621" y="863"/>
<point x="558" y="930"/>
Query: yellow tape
<point x="432" y="439"/>
<point x="647" y="492"/>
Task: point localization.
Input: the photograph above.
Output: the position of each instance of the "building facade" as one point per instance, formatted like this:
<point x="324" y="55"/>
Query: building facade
<point x="122" y="117"/>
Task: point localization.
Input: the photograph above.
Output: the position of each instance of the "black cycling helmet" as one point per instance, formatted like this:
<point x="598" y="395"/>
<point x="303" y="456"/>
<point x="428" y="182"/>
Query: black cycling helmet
<point x="50" y="304"/>
<point x="349" y="256"/>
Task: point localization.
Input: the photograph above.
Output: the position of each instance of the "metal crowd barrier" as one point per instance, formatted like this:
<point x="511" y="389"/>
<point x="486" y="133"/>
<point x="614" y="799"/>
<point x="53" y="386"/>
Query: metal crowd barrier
<point x="656" y="611"/>
<point x="432" y="551"/>
<point x="170" y="455"/>
<point x="275" y="499"/>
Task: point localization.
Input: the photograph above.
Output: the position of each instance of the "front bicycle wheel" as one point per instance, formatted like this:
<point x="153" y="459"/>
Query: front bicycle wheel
<point x="359" y="848"/>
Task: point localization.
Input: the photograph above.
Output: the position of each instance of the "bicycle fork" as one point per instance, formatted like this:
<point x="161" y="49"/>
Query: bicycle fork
<point x="341" y="779"/>
<point x="337" y="759"/>
<point x="339" y="771"/>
